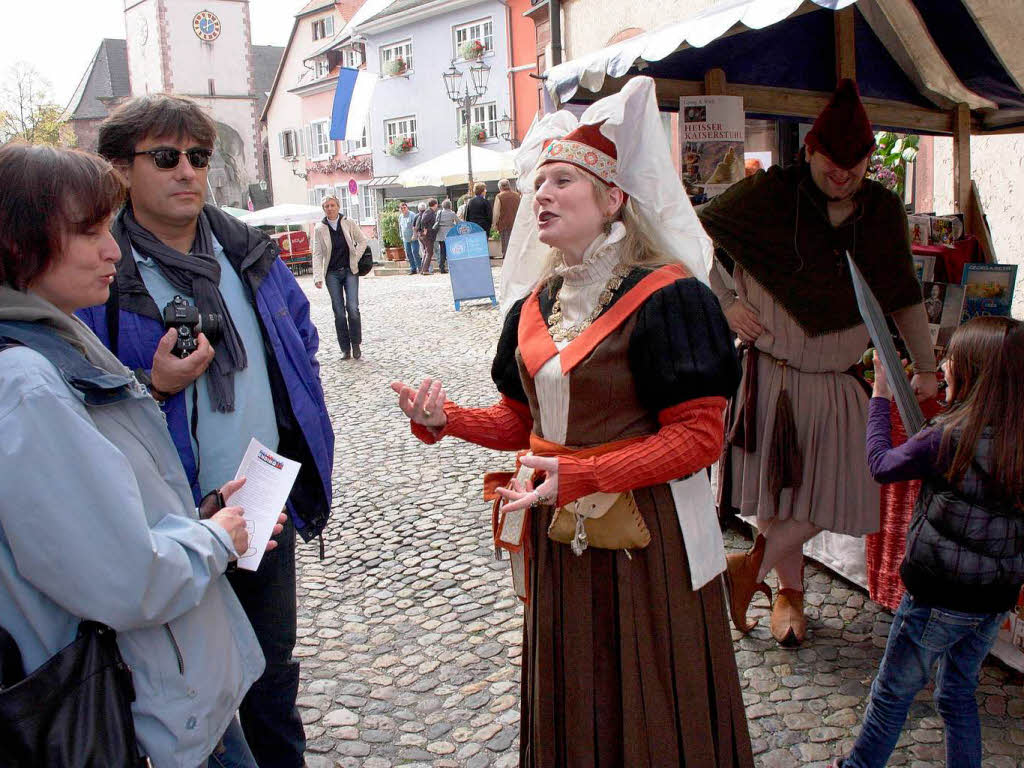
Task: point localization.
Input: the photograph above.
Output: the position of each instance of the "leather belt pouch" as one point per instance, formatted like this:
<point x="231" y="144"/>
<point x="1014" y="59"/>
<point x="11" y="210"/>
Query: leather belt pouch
<point x="609" y="520"/>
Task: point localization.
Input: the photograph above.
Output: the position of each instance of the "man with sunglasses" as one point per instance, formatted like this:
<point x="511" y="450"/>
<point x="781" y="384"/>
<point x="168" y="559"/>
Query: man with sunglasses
<point x="258" y="378"/>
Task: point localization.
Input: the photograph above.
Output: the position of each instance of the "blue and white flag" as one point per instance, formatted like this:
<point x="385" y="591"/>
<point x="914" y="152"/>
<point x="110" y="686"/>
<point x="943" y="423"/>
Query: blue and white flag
<point x="351" y="103"/>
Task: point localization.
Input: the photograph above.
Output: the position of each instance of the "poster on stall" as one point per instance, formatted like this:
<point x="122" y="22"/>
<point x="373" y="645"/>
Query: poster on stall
<point x="711" y="136"/>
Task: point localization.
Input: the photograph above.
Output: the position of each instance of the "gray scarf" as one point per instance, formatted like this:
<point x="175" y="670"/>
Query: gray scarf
<point x="197" y="274"/>
<point x="27" y="307"/>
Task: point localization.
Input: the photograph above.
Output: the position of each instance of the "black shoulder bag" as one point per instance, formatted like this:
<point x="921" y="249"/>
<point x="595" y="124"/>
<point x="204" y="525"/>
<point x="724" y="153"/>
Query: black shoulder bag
<point x="72" y="712"/>
<point x="366" y="262"/>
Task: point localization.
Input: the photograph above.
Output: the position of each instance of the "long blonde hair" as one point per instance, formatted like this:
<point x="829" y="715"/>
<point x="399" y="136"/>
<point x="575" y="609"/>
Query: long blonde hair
<point x="639" y="247"/>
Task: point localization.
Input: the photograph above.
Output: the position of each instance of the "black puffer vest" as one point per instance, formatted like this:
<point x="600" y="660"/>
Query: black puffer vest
<point x="965" y="550"/>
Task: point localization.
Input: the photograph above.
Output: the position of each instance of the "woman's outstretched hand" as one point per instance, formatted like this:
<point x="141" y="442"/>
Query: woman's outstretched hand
<point x="424" y="405"/>
<point x="523" y="495"/>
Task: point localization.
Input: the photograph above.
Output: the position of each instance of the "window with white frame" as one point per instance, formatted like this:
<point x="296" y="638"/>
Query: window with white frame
<point x="323" y="27"/>
<point x="311" y="196"/>
<point x="321" y="67"/>
<point x="392" y="53"/>
<point x="288" y="143"/>
<point x="485" y="115"/>
<point x="399" y="129"/>
<point x="321" y="193"/>
<point x="359" y="146"/>
<point x="367" y="204"/>
<point x="320" y="146"/>
<point x="352" y="58"/>
<point x="482" y="30"/>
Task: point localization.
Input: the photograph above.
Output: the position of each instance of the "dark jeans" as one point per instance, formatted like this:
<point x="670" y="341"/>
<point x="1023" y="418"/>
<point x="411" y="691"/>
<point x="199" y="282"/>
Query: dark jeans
<point x="232" y="752"/>
<point x="426" y="254"/>
<point x="269" y="716"/>
<point x="346" y="307"/>
<point x="442" y="256"/>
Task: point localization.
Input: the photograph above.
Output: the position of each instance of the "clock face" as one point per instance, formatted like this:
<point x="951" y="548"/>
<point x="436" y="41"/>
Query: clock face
<point x="206" y="26"/>
<point x="142" y="31"/>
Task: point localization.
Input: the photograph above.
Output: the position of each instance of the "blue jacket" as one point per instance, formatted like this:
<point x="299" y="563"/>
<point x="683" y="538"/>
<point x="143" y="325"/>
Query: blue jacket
<point x="97" y="522"/>
<point x="291" y="343"/>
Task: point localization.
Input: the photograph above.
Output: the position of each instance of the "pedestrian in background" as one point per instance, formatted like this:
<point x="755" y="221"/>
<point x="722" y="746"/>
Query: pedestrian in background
<point x="460" y="211"/>
<point x="506" y="206"/>
<point x="446" y="219"/>
<point x="478" y="209"/>
<point x="406" y="227"/>
<point x="964" y="562"/>
<point x="427" y="235"/>
<point x="338" y="243"/>
<point x="263" y="381"/>
<point x="97" y="520"/>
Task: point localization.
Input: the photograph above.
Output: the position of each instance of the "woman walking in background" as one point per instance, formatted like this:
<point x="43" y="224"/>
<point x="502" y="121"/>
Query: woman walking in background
<point x="337" y="245"/>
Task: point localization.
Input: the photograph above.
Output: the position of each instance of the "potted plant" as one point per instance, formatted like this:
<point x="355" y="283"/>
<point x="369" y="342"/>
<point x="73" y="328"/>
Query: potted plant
<point x="472" y="50"/>
<point x="395" y="67"/>
<point x="477" y="134"/>
<point x="400" y="146"/>
<point x="494" y="244"/>
<point x="389" y="233"/>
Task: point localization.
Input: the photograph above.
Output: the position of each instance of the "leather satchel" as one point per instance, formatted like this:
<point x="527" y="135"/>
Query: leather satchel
<point x="365" y="262"/>
<point x="600" y="520"/>
<point x="72" y="712"/>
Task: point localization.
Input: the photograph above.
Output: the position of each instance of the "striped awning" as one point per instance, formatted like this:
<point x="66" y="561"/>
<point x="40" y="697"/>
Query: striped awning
<point x="383" y="181"/>
<point x="923" y="53"/>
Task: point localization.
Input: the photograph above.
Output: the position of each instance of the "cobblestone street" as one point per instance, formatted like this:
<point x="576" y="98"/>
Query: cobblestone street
<point x="409" y="633"/>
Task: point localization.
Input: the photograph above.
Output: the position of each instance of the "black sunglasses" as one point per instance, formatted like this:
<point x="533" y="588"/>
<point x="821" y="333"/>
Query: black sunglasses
<point x="167" y="158"/>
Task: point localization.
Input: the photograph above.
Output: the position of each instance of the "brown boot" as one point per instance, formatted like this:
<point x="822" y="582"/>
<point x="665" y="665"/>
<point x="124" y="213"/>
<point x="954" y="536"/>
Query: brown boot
<point x="789" y="625"/>
<point x="741" y="583"/>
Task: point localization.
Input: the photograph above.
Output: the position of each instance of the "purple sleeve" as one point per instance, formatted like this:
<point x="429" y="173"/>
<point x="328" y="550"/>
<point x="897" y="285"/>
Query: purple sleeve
<point x="913" y="460"/>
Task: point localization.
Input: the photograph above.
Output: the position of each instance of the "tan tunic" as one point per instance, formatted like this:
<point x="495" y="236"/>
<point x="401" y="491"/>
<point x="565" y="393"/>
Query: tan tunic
<point x="830" y="409"/>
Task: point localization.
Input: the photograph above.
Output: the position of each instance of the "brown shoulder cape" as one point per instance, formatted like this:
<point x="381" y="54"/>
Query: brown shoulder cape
<point x="775" y="225"/>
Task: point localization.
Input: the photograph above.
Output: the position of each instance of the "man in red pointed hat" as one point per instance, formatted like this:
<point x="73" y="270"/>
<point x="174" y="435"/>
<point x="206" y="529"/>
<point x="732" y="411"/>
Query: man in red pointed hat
<point x="797" y="459"/>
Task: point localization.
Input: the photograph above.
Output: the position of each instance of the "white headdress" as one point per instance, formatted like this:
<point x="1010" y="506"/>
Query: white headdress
<point x="643" y="170"/>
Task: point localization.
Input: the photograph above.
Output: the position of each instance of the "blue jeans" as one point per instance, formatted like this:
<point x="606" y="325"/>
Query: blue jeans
<point x="269" y="716"/>
<point x="919" y="637"/>
<point x="233" y="751"/>
<point x="343" y="287"/>
<point x="412" y="253"/>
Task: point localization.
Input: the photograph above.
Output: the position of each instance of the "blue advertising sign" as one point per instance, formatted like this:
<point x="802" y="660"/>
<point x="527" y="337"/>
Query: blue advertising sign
<point x="469" y="264"/>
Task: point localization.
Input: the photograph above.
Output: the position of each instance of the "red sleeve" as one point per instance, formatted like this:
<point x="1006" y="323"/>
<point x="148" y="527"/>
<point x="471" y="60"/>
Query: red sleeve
<point x="690" y="439"/>
<point x="505" y="426"/>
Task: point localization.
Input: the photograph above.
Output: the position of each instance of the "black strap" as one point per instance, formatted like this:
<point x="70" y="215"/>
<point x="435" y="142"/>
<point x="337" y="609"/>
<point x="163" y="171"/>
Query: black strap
<point x="195" y="425"/>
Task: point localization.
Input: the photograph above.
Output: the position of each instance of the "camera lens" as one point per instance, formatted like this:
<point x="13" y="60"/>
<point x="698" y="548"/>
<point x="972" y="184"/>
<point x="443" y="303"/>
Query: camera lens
<point x="210" y="324"/>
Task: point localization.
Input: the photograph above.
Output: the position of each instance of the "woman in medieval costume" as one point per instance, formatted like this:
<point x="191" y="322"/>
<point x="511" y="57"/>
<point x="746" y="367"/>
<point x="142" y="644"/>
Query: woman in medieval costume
<point x="797" y="461"/>
<point x="613" y="365"/>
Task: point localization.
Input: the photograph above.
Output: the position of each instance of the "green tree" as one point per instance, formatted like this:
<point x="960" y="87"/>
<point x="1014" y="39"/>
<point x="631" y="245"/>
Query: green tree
<point x="27" y="110"/>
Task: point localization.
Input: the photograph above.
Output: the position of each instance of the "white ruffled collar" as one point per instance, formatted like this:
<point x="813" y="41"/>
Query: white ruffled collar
<point x="599" y="259"/>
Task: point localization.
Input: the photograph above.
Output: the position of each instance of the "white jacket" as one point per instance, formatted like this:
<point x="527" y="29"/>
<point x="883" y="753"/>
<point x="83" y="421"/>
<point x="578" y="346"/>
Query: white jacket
<point x="322" y="246"/>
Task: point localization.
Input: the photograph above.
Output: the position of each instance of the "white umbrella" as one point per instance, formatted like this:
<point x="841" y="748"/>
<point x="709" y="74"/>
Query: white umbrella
<point x="286" y="213"/>
<point x="450" y="169"/>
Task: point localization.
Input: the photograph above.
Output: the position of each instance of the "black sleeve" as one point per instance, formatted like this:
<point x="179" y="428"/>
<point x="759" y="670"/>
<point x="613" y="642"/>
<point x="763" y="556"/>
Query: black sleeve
<point x="505" y="369"/>
<point x="681" y="347"/>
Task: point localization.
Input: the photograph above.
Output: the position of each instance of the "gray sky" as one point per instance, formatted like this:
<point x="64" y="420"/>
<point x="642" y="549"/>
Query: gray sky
<point x="60" y="37"/>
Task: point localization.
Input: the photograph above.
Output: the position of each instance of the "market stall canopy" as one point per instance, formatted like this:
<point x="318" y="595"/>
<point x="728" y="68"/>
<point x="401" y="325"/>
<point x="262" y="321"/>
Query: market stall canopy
<point x="912" y="59"/>
<point x="449" y="169"/>
<point x="286" y="213"/>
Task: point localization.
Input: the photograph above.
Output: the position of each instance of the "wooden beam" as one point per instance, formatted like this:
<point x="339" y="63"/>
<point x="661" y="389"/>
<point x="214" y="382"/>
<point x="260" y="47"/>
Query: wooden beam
<point x="962" y="161"/>
<point x="977" y="225"/>
<point x="789" y="102"/>
<point x="714" y="82"/>
<point x="846" y="53"/>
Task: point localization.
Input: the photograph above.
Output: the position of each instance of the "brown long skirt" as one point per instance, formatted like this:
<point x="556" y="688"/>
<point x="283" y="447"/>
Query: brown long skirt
<point x="624" y="666"/>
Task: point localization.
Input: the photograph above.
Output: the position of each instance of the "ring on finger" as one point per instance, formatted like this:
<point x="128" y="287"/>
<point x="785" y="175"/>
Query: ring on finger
<point x="427" y="414"/>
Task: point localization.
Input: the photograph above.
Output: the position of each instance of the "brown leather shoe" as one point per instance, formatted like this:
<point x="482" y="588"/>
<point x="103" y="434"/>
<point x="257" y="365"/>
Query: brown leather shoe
<point x="741" y="583"/>
<point x="789" y="625"/>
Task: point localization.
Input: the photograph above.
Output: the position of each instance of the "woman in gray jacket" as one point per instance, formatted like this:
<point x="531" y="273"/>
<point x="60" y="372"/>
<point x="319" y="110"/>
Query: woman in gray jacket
<point x="97" y="519"/>
<point x="446" y="219"/>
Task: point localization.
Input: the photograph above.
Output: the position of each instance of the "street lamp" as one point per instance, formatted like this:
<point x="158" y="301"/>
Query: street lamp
<point x="505" y="128"/>
<point x="294" y="161"/>
<point x="465" y="94"/>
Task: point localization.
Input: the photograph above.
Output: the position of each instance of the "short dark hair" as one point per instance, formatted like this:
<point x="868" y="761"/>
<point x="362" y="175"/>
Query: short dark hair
<point x="479" y="188"/>
<point x="47" y="193"/>
<point x="432" y="202"/>
<point x="155" y="115"/>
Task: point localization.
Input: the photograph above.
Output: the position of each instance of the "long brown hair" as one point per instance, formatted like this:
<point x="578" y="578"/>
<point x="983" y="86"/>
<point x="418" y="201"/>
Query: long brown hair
<point x="987" y="367"/>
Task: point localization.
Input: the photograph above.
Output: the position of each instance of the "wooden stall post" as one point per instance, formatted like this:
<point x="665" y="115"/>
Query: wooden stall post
<point x="846" y="53"/>
<point x="962" y="163"/>
<point x="714" y="82"/>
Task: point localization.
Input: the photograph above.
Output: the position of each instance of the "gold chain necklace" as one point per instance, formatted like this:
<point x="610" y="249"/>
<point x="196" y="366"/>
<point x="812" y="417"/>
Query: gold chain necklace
<point x="561" y="332"/>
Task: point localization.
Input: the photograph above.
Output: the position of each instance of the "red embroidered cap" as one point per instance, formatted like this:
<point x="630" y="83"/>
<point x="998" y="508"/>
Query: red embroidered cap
<point x="587" y="148"/>
<point x="842" y="130"/>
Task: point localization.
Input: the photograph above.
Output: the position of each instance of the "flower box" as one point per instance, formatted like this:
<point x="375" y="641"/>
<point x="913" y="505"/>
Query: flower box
<point x="477" y="134"/>
<point x="396" y="67"/>
<point x="396" y="148"/>
<point x="472" y="49"/>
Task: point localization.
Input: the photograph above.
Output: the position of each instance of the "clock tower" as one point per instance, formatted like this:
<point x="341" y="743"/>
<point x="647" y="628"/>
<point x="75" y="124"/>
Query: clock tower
<point x="202" y="49"/>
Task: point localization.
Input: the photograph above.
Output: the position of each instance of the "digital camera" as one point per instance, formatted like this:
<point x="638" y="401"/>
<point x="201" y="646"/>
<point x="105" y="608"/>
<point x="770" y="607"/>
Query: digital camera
<point x="190" y="322"/>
